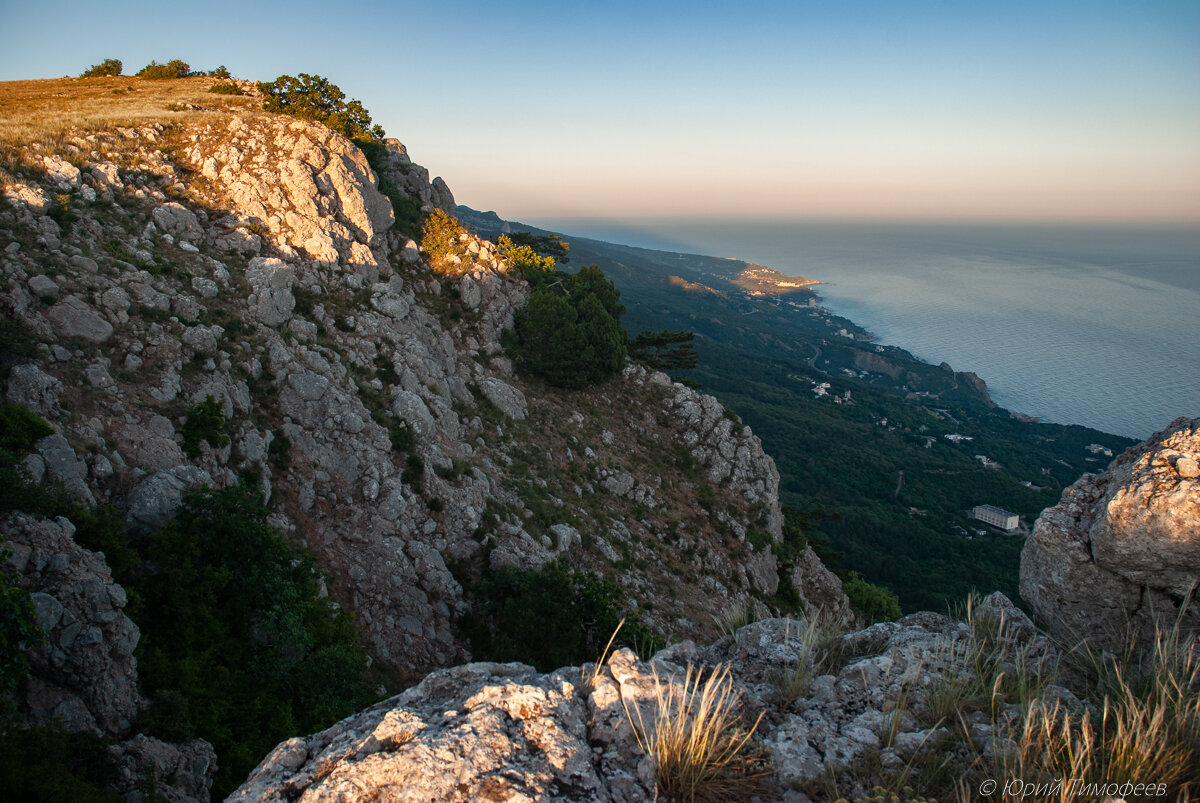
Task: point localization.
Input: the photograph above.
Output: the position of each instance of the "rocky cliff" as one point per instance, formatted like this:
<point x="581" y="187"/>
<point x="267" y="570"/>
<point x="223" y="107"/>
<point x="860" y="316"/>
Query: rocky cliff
<point x="930" y="698"/>
<point x="251" y="259"/>
<point x="505" y="732"/>
<point x="1122" y="547"/>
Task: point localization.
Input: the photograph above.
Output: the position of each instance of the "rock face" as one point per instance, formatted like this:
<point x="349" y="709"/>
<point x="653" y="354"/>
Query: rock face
<point x="505" y="732"/>
<point x="278" y="286"/>
<point x="85" y="676"/>
<point x="1123" y="546"/>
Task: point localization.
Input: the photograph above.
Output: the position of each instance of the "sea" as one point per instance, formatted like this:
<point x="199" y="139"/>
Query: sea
<point x="1094" y="325"/>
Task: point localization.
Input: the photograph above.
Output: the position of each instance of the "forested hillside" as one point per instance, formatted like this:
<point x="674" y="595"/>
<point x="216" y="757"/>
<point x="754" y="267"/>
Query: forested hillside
<point x="857" y="429"/>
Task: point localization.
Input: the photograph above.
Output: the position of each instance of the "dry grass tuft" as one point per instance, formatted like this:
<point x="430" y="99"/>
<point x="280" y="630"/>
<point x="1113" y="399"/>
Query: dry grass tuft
<point x="733" y="619"/>
<point x="819" y="652"/>
<point x="1146" y="731"/>
<point x="699" y="744"/>
<point x="986" y="670"/>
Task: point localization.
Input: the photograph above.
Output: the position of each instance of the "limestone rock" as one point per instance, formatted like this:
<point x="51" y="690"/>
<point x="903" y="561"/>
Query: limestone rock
<point x="507" y="398"/>
<point x="153" y="501"/>
<point x="61" y="173"/>
<point x="31" y="387"/>
<point x="63" y="465"/>
<point x="1120" y="547"/>
<point x="181" y="773"/>
<point x="38" y="200"/>
<point x="84" y="676"/>
<point x="74" y="317"/>
<point x="480" y="731"/>
<point x="569" y="734"/>
<point x="176" y="219"/>
<point x="271" y="298"/>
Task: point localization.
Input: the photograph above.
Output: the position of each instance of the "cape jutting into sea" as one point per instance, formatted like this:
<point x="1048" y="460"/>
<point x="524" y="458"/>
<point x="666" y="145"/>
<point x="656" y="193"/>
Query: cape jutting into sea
<point x="1075" y="325"/>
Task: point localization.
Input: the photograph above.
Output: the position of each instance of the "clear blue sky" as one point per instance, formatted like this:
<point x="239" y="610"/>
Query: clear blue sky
<point x="888" y="108"/>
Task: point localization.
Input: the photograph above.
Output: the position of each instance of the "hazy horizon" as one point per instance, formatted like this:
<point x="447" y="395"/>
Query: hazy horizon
<point x="869" y="109"/>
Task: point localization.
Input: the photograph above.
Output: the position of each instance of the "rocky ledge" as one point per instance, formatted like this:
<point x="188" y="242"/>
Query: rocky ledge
<point x="487" y="731"/>
<point x="1123" y="546"/>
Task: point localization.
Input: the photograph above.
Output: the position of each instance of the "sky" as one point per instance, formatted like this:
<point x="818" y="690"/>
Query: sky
<point x="859" y="109"/>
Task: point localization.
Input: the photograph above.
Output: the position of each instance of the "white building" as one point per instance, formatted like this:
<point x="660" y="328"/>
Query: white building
<point x="997" y="517"/>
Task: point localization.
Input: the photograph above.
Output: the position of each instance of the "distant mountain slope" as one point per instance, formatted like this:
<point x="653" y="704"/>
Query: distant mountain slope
<point x="857" y="429"/>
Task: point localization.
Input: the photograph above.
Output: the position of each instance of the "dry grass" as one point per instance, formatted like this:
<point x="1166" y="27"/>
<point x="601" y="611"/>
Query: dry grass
<point x="698" y="742"/>
<point x="734" y="618"/>
<point x="41" y="111"/>
<point x="1147" y="729"/>
<point x="820" y="641"/>
<point x="986" y="670"/>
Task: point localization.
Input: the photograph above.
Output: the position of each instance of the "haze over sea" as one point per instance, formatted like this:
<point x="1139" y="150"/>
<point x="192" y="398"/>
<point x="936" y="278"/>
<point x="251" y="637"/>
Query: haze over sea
<point x="1094" y="326"/>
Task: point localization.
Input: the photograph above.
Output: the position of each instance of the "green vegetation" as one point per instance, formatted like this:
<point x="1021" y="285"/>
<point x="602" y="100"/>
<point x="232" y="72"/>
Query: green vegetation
<point x="236" y="646"/>
<point x="548" y="617"/>
<point x="204" y="422"/>
<point x="175" y="68"/>
<point x="876" y="603"/>
<point x="525" y="257"/>
<point x="46" y="765"/>
<point x="18" y="630"/>
<point x="568" y="334"/>
<point x="106" y="67"/>
<point x="226" y="88"/>
<point x="545" y="246"/>
<point x="311" y="97"/>
<point x="664" y="351"/>
<point x="441" y="241"/>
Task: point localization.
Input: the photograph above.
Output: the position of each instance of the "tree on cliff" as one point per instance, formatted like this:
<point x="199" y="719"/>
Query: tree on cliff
<point x="312" y="97"/>
<point x="568" y="334"/>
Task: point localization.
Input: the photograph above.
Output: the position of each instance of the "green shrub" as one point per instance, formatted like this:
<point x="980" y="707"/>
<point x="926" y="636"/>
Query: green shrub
<point x="226" y="88"/>
<point x="665" y="351"/>
<point x="441" y="241"/>
<point x="280" y="450"/>
<point x="236" y="646"/>
<point x="46" y="765"/>
<point x="414" y="470"/>
<point x="174" y="68"/>
<point x="568" y="334"/>
<point x="18" y="631"/>
<point x="549" y="617"/>
<point x="20" y="427"/>
<point x="221" y="72"/>
<point x="16" y="345"/>
<point x="106" y="67"/>
<point x="876" y="603"/>
<point x="402" y="437"/>
<point x="312" y="97"/>
<point x="204" y="423"/>
<point x="524" y="257"/>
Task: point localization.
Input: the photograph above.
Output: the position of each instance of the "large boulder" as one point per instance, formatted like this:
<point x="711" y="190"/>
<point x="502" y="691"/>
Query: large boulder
<point x="74" y="318"/>
<point x="31" y="387"/>
<point x="1121" y="548"/>
<point x="271" y="298"/>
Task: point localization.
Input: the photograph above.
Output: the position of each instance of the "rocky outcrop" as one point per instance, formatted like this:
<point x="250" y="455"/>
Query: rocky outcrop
<point x="1123" y="547"/>
<point x="255" y="261"/>
<point x="504" y="731"/>
<point x="177" y="773"/>
<point x="84" y="676"/>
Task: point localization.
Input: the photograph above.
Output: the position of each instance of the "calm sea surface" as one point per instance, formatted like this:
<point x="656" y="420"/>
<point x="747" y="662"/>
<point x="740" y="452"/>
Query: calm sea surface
<point x="1089" y="326"/>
